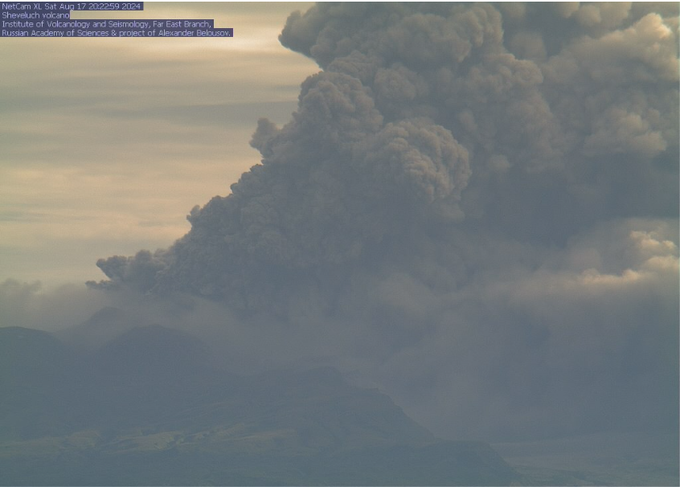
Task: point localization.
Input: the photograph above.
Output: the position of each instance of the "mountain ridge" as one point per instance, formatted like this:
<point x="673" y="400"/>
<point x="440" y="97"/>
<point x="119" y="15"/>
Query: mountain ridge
<point x="149" y="401"/>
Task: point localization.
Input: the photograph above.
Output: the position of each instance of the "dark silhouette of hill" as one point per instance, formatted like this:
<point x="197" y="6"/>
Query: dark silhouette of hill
<point x="149" y="407"/>
<point x="36" y="372"/>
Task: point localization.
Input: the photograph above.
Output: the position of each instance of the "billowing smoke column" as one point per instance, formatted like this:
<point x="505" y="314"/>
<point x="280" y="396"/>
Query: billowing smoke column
<point x="489" y="190"/>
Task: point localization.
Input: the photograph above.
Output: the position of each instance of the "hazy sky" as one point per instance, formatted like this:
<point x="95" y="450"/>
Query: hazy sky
<point x="106" y="144"/>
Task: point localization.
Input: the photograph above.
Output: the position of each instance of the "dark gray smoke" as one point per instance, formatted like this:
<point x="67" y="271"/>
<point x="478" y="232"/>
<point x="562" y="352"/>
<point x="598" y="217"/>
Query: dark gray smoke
<point x="473" y="207"/>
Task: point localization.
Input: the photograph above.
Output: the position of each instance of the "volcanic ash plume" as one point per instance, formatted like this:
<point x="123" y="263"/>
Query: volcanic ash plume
<point x="447" y="172"/>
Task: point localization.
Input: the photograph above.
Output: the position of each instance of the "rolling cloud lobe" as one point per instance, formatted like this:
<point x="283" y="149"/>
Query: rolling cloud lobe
<point x="473" y="207"/>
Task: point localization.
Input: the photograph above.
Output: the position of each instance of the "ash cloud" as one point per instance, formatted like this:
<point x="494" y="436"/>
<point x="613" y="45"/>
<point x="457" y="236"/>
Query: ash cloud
<point x="31" y="306"/>
<point x="474" y="207"/>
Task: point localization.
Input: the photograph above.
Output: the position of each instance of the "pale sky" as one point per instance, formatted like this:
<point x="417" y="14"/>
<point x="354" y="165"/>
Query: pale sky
<point x="107" y="144"/>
